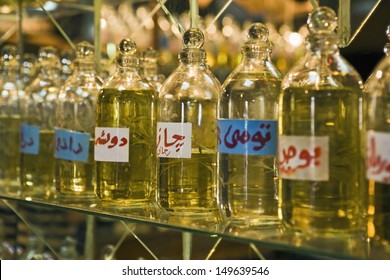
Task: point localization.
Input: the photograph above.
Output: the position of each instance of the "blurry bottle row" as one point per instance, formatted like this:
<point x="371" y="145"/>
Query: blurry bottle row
<point x="308" y="151"/>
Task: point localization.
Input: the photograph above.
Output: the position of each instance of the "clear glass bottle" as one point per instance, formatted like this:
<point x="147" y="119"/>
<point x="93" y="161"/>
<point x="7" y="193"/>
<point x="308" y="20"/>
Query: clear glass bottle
<point x="320" y="125"/>
<point x="74" y="167"/>
<point x="149" y="68"/>
<point x="248" y="135"/>
<point x="377" y="88"/>
<point x="37" y="129"/>
<point x="68" y="250"/>
<point x="125" y="135"/>
<point x="187" y="134"/>
<point x="11" y="96"/>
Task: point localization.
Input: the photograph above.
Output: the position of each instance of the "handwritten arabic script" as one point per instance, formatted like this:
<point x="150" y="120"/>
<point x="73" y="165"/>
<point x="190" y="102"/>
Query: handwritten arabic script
<point x="247" y="137"/>
<point x="378" y="157"/>
<point x="174" y="140"/>
<point x="112" y="144"/>
<point x="71" y="145"/>
<point x="304" y="157"/>
<point x="29" y="139"/>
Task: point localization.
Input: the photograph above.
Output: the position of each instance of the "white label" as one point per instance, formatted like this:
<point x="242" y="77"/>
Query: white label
<point x="378" y="156"/>
<point x="304" y="158"/>
<point x="174" y="140"/>
<point x="112" y="144"/>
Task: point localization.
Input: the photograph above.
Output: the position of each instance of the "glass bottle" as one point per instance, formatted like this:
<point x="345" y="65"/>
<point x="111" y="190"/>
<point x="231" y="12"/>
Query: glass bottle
<point x="248" y="135"/>
<point x="377" y="88"/>
<point x="187" y="135"/>
<point x="125" y="136"/>
<point x="11" y="96"/>
<point x="37" y="129"/>
<point x="74" y="167"/>
<point x="149" y="68"/>
<point x="320" y="123"/>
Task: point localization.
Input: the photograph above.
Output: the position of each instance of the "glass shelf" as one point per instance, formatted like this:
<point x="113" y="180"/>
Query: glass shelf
<point x="273" y="237"/>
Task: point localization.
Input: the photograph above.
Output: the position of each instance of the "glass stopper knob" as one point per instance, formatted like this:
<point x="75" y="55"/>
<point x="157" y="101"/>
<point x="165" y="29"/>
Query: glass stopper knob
<point x="258" y="31"/>
<point x="48" y="52"/>
<point x="127" y="47"/>
<point x="388" y="32"/>
<point x="193" y="38"/>
<point x="8" y="52"/>
<point x="322" y="20"/>
<point x="85" y="50"/>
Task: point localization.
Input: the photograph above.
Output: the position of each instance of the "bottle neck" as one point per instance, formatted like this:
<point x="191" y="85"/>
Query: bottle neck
<point x="149" y="69"/>
<point x="322" y="44"/>
<point x="87" y="68"/>
<point x="193" y="56"/>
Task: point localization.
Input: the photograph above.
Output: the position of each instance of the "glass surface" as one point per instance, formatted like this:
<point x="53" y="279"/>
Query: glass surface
<point x="353" y="247"/>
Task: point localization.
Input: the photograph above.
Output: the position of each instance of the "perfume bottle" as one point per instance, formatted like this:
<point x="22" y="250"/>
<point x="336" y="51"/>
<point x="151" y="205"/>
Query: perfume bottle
<point x="377" y="172"/>
<point x="74" y="167"/>
<point x="149" y="68"/>
<point x="125" y="136"/>
<point x="320" y="126"/>
<point x="187" y="135"/>
<point x="247" y="140"/>
<point x="11" y="96"/>
<point x="37" y="129"/>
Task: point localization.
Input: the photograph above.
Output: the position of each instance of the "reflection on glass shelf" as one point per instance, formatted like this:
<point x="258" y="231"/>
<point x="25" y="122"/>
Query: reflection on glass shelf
<point x="274" y="237"/>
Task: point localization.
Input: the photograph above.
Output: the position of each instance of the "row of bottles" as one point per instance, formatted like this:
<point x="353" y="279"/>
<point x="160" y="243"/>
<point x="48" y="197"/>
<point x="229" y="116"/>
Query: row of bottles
<point x="257" y="150"/>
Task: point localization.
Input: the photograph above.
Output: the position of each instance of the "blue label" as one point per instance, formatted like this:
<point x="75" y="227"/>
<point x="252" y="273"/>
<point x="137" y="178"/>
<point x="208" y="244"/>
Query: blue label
<point x="71" y="145"/>
<point x="29" y="139"/>
<point x="247" y="137"/>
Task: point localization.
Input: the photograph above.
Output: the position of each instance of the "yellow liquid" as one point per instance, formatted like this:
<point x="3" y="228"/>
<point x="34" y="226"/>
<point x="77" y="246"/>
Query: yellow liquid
<point x="333" y="207"/>
<point x="133" y="182"/>
<point x="75" y="180"/>
<point x="37" y="171"/>
<point x="9" y="152"/>
<point x="188" y="185"/>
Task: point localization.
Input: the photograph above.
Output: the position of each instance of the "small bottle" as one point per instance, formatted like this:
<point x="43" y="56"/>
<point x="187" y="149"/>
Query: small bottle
<point x="74" y="170"/>
<point x="187" y="135"/>
<point x="125" y="136"/>
<point x="149" y="68"/>
<point x="37" y="129"/>
<point x="68" y="250"/>
<point x="377" y="88"/>
<point x="320" y="126"/>
<point x="11" y="96"/>
<point x="247" y="139"/>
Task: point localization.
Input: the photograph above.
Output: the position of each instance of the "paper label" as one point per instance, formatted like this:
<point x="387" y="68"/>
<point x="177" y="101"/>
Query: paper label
<point x="71" y="145"/>
<point x="378" y="156"/>
<point x="112" y="144"/>
<point x="29" y="139"/>
<point x="247" y="137"/>
<point x="174" y="140"/>
<point x="304" y="157"/>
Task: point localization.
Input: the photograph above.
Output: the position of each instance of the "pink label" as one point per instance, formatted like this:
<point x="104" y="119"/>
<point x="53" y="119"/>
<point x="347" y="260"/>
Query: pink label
<point x="112" y="144"/>
<point x="378" y="156"/>
<point x="304" y="158"/>
<point x="174" y="140"/>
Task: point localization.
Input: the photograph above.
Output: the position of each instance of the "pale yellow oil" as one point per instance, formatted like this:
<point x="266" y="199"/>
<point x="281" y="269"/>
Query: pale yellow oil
<point x="187" y="186"/>
<point x="9" y="153"/>
<point x="133" y="182"/>
<point x="75" y="180"/>
<point x="248" y="183"/>
<point x="333" y="207"/>
<point x="37" y="171"/>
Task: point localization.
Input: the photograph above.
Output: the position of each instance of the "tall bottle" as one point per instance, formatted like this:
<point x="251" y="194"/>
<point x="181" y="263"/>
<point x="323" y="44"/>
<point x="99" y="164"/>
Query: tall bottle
<point x="125" y="135"/>
<point x="74" y="174"/>
<point x="377" y="88"/>
<point x="37" y="129"/>
<point x="11" y="96"/>
<point x="248" y="135"/>
<point x="187" y="134"/>
<point x="319" y="149"/>
<point x="149" y="68"/>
